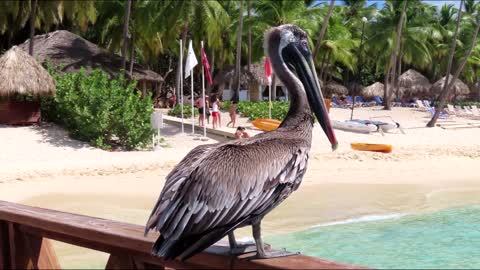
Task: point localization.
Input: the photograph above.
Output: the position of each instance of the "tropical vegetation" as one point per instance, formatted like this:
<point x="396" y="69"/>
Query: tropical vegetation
<point x="107" y="113"/>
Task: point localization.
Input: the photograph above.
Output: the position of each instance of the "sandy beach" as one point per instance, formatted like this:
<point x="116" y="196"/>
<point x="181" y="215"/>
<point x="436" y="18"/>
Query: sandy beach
<point x="429" y="169"/>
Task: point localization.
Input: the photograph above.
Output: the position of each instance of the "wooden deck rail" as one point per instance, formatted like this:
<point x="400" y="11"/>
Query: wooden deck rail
<point x="24" y="244"/>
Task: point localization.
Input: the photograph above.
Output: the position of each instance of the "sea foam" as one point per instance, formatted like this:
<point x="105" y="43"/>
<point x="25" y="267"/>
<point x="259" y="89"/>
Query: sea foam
<point x="366" y="218"/>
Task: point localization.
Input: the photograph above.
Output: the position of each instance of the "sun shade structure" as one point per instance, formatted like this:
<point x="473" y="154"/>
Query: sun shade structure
<point x="413" y="83"/>
<point x="334" y="88"/>
<point x="373" y="90"/>
<point x="460" y="89"/>
<point x="20" y="76"/>
<point x="69" y="52"/>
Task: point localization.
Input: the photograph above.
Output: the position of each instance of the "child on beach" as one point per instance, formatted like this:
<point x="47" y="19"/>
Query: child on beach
<point x="241" y="133"/>
<point x="232" y="111"/>
<point x="216" y="113"/>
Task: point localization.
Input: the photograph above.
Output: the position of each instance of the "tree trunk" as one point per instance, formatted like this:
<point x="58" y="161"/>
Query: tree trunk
<point x="324" y="28"/>
<point x="249" y="60"/>
<point x="183" y="36"/>
<point x="399" y="72"/>
<point x="132" y="54"/>
<point x="126" y="20"/>
<point x="274" y="87"/>
<point x="446" y="90"/>
<point x="320" y="74"/>
<point x="236" y="84"/>
<point x="33" y="17"/>
<point x="325" y="69"/>
<point x="394" y="59"/>
<point x="212" y="66"/>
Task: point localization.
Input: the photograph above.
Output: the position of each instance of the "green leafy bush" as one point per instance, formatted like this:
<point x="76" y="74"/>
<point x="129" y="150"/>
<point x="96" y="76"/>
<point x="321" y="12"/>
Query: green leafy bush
<point x="187" y="111"/>
<point x="254" y="110"/>
<point x="101" y="111"/>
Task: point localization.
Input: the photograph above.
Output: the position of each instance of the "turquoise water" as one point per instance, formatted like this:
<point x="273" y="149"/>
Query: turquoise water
<point x="445" y="239"/>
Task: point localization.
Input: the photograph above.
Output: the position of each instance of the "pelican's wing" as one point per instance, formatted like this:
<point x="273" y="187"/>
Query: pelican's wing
<point x="225" y="185"/>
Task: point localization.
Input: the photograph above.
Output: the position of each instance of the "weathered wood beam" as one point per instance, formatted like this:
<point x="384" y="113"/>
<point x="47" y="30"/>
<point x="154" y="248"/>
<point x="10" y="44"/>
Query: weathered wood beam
<point x="122" y="238"/>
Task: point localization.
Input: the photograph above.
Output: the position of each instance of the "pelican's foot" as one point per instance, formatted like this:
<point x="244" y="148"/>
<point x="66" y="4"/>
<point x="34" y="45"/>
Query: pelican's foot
<point x="275" y="254"/>
<point x="247" y="247"/>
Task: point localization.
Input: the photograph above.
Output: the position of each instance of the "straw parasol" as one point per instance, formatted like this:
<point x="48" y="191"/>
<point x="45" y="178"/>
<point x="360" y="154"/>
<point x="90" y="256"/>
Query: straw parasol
<point x="333" y="87"/>
<point x="413" y="83"/>
<point x="70" y="52"/>
<point x="375" y="89"/>
<point x="460" y="89"/>
<point x="20" y="73"/>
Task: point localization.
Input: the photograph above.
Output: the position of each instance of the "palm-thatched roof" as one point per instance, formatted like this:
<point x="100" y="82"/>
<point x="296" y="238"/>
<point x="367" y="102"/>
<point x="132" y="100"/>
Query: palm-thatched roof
<point x="20" y="73"/>
<point x="335" y="88"/>
<point x="460" y="88"/>
<point x="70" y="52"/>
<point x="412" y="82"/>
<point x="375" y="89"/>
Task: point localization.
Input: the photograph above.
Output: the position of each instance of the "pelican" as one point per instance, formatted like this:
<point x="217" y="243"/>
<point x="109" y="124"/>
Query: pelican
<point x="218" y="188"/>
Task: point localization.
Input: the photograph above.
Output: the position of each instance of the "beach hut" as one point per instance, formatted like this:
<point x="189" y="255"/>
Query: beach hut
<point x="22" y="81"/>
<point x="69" y="52"/>
<point x="412" y="83"/>
<point x="334" y="88"/>
<point x="373" y="90"/>
<point x="460" y="89"/>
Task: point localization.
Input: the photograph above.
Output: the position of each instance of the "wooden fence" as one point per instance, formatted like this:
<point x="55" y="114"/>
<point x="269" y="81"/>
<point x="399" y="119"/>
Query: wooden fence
<point x="24" y="244"/>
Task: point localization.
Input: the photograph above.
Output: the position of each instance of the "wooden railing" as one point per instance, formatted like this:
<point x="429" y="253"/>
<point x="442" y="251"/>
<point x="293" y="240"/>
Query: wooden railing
<point x="24" y="244"/>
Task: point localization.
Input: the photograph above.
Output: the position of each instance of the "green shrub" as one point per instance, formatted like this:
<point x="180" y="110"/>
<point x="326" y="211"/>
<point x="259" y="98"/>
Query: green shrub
<point x="187" y="111"/>
<point x="101" y="111"/>
<point x="254" y="110"/>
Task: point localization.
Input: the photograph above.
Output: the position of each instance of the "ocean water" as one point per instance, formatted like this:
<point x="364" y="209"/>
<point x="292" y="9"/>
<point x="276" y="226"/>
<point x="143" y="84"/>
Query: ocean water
<point x="448" y="239"/>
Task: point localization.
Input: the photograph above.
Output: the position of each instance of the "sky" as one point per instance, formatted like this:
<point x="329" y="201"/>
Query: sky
<point x="437" y="3"/>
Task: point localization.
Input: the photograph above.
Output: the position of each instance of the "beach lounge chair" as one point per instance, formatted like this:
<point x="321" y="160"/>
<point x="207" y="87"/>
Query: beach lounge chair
<point x="378" y="100"/>
<point x="338" y="104"/>
<point x="359" y="99"/>
<point x="441" y="116"/>
<point x="349" y="101"/>
<point x="475" y="112"/>
<point x="421" y="106"/>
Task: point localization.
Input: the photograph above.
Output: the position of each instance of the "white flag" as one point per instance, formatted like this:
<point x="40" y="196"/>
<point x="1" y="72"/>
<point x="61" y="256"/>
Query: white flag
<point x="191" y="60"/>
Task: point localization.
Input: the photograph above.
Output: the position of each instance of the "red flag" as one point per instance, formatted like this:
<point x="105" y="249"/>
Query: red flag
<point x="206" y="66"/>
<point x="268" y="70"/>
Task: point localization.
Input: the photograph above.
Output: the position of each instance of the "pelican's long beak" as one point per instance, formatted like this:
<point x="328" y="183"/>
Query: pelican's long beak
<point x="303" y="66"/>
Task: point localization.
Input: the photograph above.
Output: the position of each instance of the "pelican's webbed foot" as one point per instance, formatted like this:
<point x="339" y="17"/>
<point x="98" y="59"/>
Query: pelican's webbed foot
<point x="244" y="247"/>
<point x="275" y="254"/>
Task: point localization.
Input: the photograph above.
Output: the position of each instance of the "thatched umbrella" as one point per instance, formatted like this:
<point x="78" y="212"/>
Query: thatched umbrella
<point x="413" y="83"/>
<point x="69" y="52"/>
<point x="460" y="89"/>
<point x="334" y="88"/>
<point x="22" y="74"/>
<point x="375" y="89"/>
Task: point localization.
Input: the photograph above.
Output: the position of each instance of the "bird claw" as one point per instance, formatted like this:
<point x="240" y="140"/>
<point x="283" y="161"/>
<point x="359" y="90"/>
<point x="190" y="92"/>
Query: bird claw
<point x="246" y="247"/>
<point x="275" y="254"/>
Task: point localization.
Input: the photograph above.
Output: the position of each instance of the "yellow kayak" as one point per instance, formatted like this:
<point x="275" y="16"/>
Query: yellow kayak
<point x="383" y="148"/>
<point x="266" y="124"/>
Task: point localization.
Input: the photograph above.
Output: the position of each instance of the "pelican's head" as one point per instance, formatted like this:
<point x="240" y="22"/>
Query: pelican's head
<point x="288" y="45"/>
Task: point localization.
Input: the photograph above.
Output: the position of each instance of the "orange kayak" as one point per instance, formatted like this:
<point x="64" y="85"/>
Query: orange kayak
<point x="383" y="148"/>
<point x="266" y="124"/>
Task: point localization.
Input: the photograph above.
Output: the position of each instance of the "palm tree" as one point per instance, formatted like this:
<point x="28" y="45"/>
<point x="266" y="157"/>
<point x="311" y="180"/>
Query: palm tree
<point x="236" y="77"/>
<point x="324" y="27"/>
<point x="126" y="20"/>
<point x="447" y="86"/>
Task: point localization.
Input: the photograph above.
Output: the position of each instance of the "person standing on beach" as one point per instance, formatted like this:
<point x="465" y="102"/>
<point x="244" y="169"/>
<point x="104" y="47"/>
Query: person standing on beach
<point x="216" y="113"/>
<point x="232" y="111"/>
<point x="200" y="104"/>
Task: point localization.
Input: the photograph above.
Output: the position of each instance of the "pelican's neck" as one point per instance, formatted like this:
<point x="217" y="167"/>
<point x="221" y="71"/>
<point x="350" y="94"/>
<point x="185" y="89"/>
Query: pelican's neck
<point x="299" y="113"/>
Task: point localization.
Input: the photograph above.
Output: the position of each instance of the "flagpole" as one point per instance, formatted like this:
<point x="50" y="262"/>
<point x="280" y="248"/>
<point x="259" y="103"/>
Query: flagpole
<point x="193" y="108"/>
<point x="203" y="93"/>
<point x="269" y="100"/>
<point x="181" y="84"/>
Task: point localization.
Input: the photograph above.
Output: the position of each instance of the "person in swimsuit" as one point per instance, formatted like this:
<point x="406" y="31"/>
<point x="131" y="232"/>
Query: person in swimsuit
<point x="200" y="104"/>
<point x="216" y="113"/>
<point x="232" y="111"/>
<point x="241" y="133"/>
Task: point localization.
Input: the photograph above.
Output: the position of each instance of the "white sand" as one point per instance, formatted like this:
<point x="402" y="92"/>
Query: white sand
<point x="429" y="169"/>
